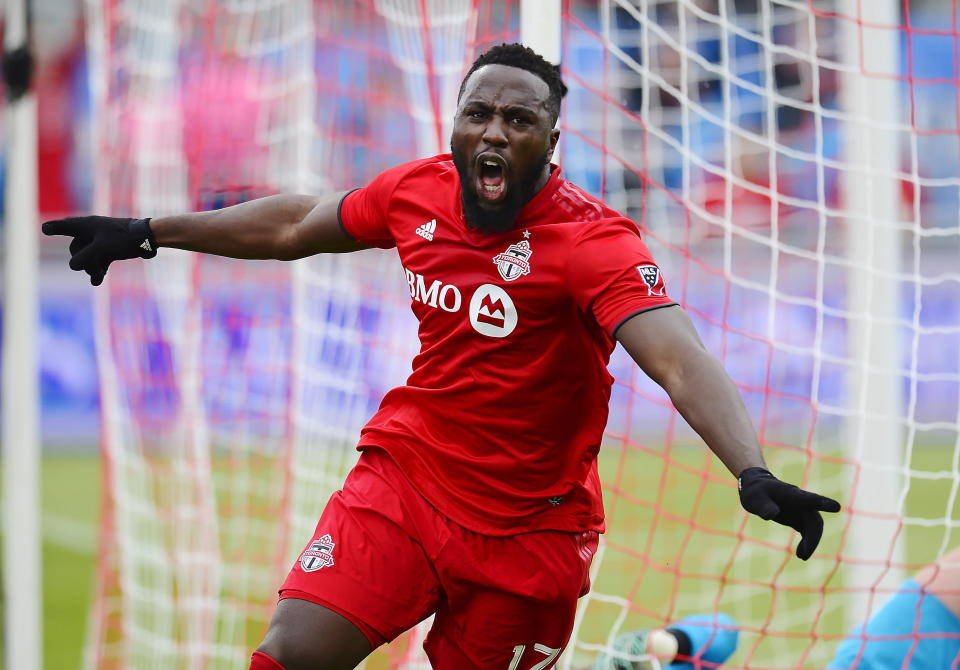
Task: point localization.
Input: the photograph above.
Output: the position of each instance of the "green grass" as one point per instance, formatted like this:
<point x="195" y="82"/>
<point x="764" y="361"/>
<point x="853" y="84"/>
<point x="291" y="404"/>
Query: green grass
<point x="660" y="566"/>
<point x="71" y="498"/>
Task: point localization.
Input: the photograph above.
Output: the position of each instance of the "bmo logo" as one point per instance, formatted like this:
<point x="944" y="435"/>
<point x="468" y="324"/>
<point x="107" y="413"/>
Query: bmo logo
<point x="445" y="296"/>
<point x="492" y="312"/>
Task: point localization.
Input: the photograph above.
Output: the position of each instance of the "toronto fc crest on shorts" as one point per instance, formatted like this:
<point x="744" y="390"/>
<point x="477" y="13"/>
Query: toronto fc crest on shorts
<point x="515" y="261"/>
<point x="318" y="555"/>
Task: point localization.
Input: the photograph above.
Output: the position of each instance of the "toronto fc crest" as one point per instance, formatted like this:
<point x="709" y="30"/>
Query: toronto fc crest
<point x="318" y="555"/>
<point x="515" y="261"/>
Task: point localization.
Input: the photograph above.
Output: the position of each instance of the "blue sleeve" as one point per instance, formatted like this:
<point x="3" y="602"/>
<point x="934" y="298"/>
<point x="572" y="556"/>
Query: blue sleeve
<point x="913" y="630"/>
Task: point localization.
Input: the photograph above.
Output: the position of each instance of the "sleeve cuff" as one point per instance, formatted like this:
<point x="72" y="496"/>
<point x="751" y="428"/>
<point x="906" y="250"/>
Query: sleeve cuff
<point x="613" y="331"/>
<point x="340" y="218"/>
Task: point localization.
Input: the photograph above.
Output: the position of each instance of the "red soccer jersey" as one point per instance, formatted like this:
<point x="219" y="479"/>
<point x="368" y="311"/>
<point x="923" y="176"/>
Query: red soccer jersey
<point x="499" y="424"/>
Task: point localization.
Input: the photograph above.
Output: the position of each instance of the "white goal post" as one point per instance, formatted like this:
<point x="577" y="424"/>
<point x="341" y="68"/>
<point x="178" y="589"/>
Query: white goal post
<point x="875" y="430"/>
<point x="21" y="411"/>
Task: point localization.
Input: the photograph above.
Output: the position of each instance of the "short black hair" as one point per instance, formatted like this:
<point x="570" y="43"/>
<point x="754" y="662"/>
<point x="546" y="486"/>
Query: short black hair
<point x="525" y="58"/>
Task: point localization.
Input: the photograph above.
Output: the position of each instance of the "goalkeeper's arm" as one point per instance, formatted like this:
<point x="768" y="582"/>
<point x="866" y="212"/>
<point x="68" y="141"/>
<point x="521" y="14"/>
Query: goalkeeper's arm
<point x="283" y="227"/>
<point x="666" y="346"/>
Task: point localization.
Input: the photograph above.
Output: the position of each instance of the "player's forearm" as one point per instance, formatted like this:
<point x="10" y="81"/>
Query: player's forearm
<point x="264" y="228"/>
<point x="708" y="400"/>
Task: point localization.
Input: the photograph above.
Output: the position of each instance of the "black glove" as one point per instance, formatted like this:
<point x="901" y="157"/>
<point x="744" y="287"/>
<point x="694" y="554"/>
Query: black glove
<point x="769" y="498"/>
<point x="100" y="240"/>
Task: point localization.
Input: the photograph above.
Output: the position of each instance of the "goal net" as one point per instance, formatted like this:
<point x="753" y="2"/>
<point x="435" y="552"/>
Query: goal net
<point x="794" y="165"/>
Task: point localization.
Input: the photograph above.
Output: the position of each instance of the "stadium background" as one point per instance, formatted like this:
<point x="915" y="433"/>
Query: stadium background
<point x="70" y="389"/>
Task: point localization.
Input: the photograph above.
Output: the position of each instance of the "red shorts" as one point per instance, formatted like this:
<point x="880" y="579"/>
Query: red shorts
<point x="385" y="559"/>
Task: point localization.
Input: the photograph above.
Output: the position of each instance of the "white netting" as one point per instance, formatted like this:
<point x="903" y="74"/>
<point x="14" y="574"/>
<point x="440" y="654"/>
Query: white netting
<point x="796" y="165"/>
<point x="798" y="182"/>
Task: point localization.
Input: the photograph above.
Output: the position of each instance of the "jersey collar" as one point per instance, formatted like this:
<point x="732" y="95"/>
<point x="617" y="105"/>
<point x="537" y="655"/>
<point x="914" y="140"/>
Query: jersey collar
<point x="541" y="201"/>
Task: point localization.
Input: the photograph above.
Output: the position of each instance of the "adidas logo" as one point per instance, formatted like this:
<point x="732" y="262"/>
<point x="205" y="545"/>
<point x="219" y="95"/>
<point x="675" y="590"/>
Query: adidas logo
<point x="427" y="230"/>
<point x="146" y="246"/>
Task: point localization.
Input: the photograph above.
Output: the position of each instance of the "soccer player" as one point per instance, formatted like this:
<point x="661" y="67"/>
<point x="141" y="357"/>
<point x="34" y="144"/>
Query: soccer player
<point x="476" y="495"/>
<point x="705" y="639"/>
<point x="918" y="628"/>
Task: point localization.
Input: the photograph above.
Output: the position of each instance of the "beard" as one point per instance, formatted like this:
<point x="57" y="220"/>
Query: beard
<point x="501" y="219"/>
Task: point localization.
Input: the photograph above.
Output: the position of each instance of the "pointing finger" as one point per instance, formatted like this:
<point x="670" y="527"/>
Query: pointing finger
<point x="70" y="226"/>
<point x="816" y="501"/>
<point x="828" y="505"/>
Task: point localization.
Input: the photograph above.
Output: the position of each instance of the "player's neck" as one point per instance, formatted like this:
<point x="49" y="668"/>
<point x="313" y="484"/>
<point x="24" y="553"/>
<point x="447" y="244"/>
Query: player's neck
<point x="542" y="181"/>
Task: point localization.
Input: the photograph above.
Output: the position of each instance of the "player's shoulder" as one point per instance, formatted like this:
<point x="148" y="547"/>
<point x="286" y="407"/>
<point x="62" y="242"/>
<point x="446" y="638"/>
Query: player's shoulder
<point x="578" y="217"/>
<point x="425" y="169"/>
<point x="413" y="178"/>
<point x="574" y="204"/>
<point x="612" y="229"/>
<point x="584" y="215"/>
<point x="602" y="239"/>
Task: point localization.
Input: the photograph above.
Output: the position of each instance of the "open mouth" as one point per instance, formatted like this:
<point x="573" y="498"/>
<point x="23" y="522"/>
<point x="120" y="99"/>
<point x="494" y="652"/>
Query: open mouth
<point x="491" y="171"/>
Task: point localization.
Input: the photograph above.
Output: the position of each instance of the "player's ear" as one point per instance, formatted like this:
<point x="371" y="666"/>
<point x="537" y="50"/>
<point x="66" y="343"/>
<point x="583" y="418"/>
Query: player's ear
<point x="554" y="136"/>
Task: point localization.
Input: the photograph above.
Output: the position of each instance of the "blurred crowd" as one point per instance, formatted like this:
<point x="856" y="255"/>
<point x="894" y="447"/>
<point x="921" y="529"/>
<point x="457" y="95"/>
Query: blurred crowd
<point x="928" y="74"/>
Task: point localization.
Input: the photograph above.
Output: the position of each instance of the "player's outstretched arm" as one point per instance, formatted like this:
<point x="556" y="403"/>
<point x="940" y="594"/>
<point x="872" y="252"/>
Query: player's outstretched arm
<point x="283" y="227"/>
<point x="919" y="621"/>
<point x="705" y="639"/>
<point x="666" y="346"/>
